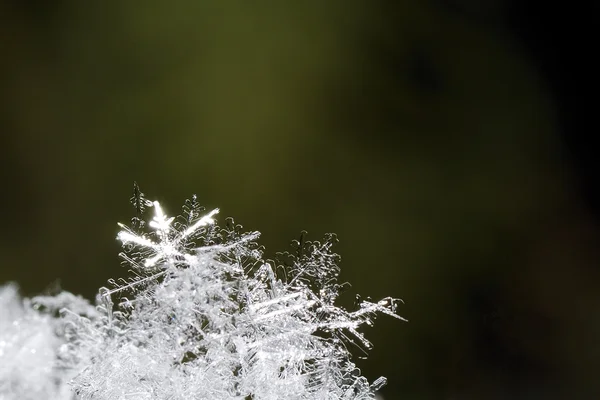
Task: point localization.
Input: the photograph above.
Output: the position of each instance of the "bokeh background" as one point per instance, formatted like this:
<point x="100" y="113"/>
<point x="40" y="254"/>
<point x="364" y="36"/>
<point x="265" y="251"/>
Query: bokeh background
<point x="444" y="141"/>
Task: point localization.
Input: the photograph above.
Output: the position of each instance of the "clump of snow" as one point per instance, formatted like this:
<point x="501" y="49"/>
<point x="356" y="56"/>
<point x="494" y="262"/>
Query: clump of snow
<point x="202" y="316"/>
<point x="28" y="351"/>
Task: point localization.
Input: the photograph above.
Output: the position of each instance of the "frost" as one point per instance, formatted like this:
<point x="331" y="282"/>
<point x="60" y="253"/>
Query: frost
<point x="202" y="316"/>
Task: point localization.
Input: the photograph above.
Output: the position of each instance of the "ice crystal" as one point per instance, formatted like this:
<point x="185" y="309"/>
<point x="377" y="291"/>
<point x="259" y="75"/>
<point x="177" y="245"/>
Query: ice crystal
<point x="204" y="315"/>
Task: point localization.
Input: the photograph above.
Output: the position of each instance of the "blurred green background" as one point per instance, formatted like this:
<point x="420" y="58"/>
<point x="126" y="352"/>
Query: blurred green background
<point x="422" y="135"/>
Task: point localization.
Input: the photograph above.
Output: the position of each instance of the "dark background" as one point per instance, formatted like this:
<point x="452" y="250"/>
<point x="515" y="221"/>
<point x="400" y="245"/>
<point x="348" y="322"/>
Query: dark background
<point x="447" y="143"/>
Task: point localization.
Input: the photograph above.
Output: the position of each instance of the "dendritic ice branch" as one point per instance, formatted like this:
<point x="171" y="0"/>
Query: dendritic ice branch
<point x="204" y="316"/>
